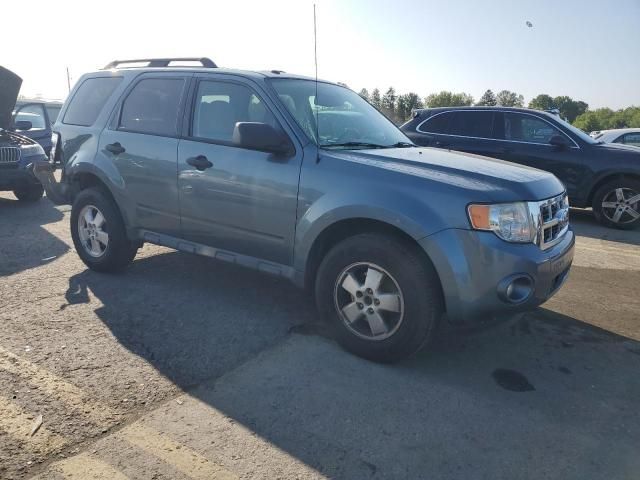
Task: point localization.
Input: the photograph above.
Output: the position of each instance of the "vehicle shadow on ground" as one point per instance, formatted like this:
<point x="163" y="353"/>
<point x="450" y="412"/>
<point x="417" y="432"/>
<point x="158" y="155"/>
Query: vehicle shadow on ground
<point x="585" y="225"/>
<point x="30" y="244"/>
<point x="543" y="395"/>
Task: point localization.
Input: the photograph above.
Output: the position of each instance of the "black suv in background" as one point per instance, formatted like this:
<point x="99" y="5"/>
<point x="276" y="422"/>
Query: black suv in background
<point x="603" y="176"/>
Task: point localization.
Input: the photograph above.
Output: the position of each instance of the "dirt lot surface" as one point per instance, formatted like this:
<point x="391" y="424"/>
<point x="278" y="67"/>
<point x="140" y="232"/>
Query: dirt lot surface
<point x="186" y="368"/>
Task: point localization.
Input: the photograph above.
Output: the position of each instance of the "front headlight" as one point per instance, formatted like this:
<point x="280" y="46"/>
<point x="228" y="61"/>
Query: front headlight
<point x="509" y="221"/>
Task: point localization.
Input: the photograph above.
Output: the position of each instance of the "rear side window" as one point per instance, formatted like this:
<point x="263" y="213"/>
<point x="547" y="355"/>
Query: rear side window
<point x="439" y="123"/>
<point x="472" y="124"/>
<point x="87" y="102"/>
<point x="632" y="139"/>
<point x="152" y="107"/>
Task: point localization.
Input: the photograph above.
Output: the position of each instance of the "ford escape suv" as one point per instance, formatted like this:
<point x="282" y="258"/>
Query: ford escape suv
<point x="307" y="181"/>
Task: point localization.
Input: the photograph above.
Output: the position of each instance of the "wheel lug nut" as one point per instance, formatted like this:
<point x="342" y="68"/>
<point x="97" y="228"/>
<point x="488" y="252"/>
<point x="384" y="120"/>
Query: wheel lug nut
<point x="376" y="301"/>
<point x="369" y="291"/>
<point x="360" y="306"/>
<point x="370" y="310"/>
<point x="358" y="294"/>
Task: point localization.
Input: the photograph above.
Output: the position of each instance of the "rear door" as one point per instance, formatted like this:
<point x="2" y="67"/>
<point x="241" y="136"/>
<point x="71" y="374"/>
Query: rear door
<point x="142" y="143"/>
<point x="245" y="201"/>
<point x="472" y="131"/>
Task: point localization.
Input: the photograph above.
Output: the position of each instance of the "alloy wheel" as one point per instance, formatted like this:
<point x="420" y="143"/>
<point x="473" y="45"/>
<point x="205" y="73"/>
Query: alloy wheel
<point x="92" y="230"/>
<point x="369" y="301"/>
<point x="621" y="205"/>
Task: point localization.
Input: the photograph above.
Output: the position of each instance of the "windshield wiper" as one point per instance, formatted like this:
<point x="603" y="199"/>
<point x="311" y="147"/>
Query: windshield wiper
<point x="403" y="145"/>
<point x="353" y="144"/>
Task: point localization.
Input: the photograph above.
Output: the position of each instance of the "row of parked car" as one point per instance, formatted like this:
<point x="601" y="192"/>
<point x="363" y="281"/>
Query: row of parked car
<point x="305" y="180"/>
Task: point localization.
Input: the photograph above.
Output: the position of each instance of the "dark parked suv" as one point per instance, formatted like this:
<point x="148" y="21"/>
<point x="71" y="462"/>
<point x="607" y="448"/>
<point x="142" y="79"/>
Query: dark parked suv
<point x="603" y="176"/>
<point x="307" y="181"/>
<point x="17" y="152"/>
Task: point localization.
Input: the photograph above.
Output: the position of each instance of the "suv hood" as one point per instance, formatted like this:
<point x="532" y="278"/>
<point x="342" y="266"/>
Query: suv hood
<point x="9" y="87"/>
<point x="495" y="180"/>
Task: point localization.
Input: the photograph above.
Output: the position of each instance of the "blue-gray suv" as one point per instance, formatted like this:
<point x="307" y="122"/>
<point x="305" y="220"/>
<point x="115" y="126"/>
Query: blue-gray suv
<point x="305" y="180"/>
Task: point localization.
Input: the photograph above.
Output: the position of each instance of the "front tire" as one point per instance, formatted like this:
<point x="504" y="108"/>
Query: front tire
<point x="98" y="232"/>
<point x="616" y="204"/>
<point x="382" y="298"/>
<point x="29" y="194"/>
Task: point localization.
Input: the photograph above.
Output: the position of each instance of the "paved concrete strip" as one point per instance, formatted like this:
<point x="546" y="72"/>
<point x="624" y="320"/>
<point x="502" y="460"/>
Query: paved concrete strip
<point x="72" y="396"/>
<point x="87" y="467"/>
<point x="189" y="462"/>
<point x="613" y="251"/>
<point x="18" y="424"/>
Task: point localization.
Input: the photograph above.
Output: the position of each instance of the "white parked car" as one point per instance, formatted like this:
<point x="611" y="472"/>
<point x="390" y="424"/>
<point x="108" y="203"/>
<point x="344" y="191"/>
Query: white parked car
<point x="627" y="136"/>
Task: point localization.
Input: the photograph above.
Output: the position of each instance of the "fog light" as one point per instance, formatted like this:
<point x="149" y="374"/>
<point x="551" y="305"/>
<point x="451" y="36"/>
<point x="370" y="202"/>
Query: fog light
<point x="515" y="288"/>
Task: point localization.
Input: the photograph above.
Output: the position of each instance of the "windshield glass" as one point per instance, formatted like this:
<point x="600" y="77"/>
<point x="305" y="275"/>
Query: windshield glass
<point x="345" y="120"/>
<point x="579" y="133"/>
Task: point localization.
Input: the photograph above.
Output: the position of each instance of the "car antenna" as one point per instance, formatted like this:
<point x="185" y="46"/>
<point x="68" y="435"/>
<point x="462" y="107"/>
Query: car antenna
<point x="315" y="100"/>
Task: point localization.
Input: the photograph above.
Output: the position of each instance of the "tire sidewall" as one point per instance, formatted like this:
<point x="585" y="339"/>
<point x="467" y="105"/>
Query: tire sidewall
<point x="422" y="303"/>
<point x="604" y="190"/>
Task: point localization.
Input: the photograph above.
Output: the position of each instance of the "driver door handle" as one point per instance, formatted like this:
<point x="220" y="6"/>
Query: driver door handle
<point x="200" y="162"/>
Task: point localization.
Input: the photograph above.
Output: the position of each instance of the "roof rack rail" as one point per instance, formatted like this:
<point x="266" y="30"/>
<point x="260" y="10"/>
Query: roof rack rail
<point x="163" y="62"/>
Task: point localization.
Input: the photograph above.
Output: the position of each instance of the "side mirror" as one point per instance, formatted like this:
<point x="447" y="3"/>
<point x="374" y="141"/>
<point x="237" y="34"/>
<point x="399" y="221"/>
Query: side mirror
<point x="559" y="142"/>
<point x="23" y="125"/>
<point x="262" y="137"/>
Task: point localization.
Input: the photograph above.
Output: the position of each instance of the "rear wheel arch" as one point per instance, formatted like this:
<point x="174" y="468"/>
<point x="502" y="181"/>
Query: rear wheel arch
<point x="83" y="180"/>
<point x="346" y="228"/>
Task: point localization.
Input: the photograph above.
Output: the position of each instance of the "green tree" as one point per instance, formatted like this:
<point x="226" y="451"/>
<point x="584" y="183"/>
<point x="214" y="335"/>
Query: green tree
<point x="448" y="99"/>
<point x="542" y="102"/>
<point x="388" y="105"/>
<point x="569" y="108"/>
<point x="488" y="99"/>
<point x="364" y="93"/>
<point x="375" y="98"/>
<point x="506" y="98"/>
<point x="405" y="104"/>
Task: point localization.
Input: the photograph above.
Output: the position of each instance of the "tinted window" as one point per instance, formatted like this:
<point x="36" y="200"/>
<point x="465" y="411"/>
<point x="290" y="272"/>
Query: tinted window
<point x="33" y="113"/>
<point x="439" y="123"/>
<point x="527" y="128"/>
<point x="219" y="106"/>
<point x="472" y="124"/>
<point x="89" y="99"/>
<point x="632" y="139"/>
<point x="152" y="106"/>
<point x="53" y="111"/>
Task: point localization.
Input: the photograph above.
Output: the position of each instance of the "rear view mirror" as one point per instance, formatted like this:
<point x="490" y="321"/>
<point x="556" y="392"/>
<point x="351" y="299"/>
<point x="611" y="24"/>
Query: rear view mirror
<point x="262" y="137"/>
<point x="23" y="125"/>
<point x="558" y="141"/>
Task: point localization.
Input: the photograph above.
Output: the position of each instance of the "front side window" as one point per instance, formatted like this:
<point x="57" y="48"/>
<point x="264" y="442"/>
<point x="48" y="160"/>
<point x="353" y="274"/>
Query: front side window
<point x="344" y="119"/>
<point x="632" y="139"/>
<point x="439" y="124"/>
<point x="477" y="124"/>
<point x="152" y="107"/>
<point x="527" y="128"/>
<point x="33" y="113"/>
<point x="220" y="105"/>
<point x="89" y="99"/>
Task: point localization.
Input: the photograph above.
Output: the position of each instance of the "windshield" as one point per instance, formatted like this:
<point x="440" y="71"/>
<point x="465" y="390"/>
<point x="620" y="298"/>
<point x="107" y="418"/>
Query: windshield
<point x="576" y="131"/>
<point x="344" y="119"/>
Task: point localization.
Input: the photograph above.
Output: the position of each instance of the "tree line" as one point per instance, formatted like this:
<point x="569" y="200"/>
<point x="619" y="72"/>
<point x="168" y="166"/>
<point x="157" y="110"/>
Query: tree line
<point x="399" y="107"/>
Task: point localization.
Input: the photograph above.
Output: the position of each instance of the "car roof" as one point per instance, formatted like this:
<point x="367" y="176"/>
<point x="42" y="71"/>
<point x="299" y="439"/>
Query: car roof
<point x="482" y="107"/>
<point x="227" y="71"/>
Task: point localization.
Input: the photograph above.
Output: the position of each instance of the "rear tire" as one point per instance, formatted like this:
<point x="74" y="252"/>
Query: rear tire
<point x="31" y="193"/>
<point x="390" y="321"/>
<point x="616" y="204"/>
<point x="93" y="215"/>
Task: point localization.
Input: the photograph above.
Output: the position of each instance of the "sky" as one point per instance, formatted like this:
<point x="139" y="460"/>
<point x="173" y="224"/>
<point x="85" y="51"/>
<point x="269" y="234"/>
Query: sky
<point x="588" y="50"/>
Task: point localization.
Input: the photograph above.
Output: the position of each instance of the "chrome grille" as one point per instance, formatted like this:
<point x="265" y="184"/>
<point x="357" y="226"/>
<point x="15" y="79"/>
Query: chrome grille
<point x="9" y="155"/>
<point x="551" y="218"/>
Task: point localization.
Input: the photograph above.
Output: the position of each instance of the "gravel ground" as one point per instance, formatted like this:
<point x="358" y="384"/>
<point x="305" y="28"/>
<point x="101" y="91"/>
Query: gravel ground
<point x="186" y="368"/>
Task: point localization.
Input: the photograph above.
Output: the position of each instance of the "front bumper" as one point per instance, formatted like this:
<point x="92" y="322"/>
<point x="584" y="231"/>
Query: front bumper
<point x="13" y="176"/>
<point x="475" y="269"/>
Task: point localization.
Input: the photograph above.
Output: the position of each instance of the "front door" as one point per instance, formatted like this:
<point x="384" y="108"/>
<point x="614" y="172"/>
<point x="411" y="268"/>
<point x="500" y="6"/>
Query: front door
<point x="142" y="144"/>
<point x="234" y="199"/>
<point x="525" y="140"/>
